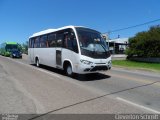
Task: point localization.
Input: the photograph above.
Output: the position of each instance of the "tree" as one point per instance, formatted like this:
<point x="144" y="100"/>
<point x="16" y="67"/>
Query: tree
<point x="145" y="44"/>
<point x="25" y="47"/>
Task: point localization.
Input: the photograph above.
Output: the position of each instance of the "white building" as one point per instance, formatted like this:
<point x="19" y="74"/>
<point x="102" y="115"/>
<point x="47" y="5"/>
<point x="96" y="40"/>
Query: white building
<point x="118" y="45"/>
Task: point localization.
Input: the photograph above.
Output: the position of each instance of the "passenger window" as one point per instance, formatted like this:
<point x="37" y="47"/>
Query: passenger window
<point x="32" y="43"/>
<point x="37" y="43"/>
<point x="52" y="40"/>
<point x="43" y="41"/>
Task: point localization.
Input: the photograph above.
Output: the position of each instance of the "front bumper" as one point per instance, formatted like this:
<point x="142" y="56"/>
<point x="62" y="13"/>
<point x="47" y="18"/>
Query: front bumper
<point x="98" y="68"/>
<point x="82" y="69"/>
<point x="17" y="56"/>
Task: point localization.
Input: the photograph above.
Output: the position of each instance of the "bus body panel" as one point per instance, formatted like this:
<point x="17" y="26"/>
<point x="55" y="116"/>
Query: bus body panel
<point x="46" y="56"/>
<point x="31" y="55"/>
<point x="72" y="57"/>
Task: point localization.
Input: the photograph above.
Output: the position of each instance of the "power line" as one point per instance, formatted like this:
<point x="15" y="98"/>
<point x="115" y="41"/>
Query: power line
<point x="116" y="30"/>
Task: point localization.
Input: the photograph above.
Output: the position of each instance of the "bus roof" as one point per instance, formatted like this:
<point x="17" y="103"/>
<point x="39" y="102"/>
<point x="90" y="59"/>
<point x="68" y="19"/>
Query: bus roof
<point x="11" y="43"/>
<point x="52" y="30"/>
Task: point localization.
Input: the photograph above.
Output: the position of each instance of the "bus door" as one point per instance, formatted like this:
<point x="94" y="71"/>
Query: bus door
<point x="59" y="57"/>
<point x="59" y="50"/>
<point x="60" y="41"/>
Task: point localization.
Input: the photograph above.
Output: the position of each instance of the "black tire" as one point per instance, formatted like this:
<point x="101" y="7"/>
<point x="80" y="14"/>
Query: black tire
<point x="68" y="70"/>
<point x="37" y="62"/>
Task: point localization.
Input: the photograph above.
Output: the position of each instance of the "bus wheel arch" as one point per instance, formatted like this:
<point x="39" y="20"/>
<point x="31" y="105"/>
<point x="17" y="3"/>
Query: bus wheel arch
<point x="67" y="66"/>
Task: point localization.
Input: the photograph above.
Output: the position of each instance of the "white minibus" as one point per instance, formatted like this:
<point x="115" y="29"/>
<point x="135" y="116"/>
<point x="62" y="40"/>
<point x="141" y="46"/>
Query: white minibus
<point x="74" y="49"/>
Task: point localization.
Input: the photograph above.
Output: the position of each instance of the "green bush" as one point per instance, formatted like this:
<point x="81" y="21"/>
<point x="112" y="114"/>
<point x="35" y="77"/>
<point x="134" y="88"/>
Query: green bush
<point x="145" y="44"/>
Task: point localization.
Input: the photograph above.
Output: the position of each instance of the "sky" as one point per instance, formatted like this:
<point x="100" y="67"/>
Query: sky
<point x="19" y="19"/>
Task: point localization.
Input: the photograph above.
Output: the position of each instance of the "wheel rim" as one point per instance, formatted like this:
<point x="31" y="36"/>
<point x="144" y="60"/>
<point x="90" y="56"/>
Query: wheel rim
<point x="69" y="70"/>
<point x="37" y="63"/>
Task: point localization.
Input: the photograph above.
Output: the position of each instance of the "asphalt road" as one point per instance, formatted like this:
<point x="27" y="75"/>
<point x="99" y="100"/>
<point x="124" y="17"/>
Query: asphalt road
<point x="25" y="88"/>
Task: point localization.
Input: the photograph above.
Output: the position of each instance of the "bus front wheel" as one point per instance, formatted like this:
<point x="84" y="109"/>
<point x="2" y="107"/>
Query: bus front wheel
<point x="68" y="70"/>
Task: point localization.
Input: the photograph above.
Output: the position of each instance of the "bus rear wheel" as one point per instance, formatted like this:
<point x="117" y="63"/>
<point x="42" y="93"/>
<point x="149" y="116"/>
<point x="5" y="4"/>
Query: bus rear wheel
<point x="37" y="62"/>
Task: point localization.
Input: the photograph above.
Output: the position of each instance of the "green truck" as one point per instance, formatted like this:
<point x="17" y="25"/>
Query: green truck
<point x="7" y="48"/>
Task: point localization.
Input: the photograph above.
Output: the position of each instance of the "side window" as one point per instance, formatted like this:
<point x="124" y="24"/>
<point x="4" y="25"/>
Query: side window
<point x="70" y="41"/>
<point x="52" y="40"/>
<point x="32" y="43"/>
<point x="37" y="43"/>
<point x="43" y="41"/>
<point x="29" y="45"/>
<point x="59" y="38"/>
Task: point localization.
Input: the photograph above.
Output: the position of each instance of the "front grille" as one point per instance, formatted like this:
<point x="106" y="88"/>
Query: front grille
<point x="96" y="68"/>
<point x="87" y="69"/>
<point x="100" y="63"/>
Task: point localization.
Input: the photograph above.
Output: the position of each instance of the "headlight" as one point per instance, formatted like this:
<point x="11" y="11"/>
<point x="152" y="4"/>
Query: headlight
<point x="14" y="54"/>
<point x="109" y="62"/>
<point x="86" y="62"/>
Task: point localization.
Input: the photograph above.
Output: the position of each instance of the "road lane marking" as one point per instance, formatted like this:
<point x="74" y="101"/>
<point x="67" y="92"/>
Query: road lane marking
<point x="55" y="75"/>
<point x="131" y="78"/>
<point x="121" y="99"/>
<point x="36" y="68"/>
<point x="39" y="107"/>
<point x="118" y="76"/>
<point x="118" y="98"/>
<point x="134" y="79"/>
<point x="139" y="72"/>
<point x="80" y="83"/>
<point x="61" y="77"/>
<point x="137" y="105"/>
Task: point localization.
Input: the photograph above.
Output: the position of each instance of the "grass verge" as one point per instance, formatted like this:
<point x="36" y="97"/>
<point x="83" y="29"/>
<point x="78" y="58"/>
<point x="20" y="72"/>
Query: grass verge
<point x="137" y="65"/>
